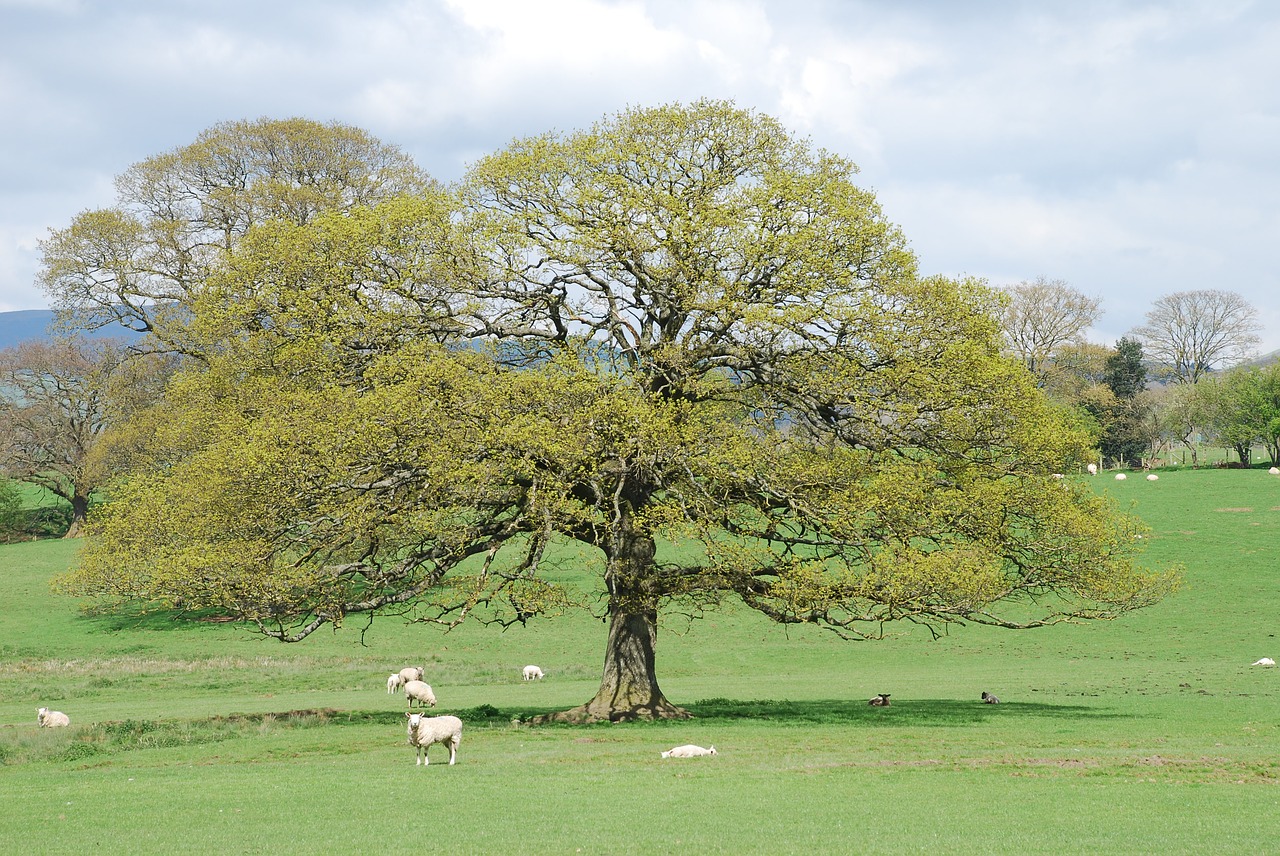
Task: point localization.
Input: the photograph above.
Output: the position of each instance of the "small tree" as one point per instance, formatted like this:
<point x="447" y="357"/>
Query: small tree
<point x="59" y="397"/>
<point x="1192" y="332"/>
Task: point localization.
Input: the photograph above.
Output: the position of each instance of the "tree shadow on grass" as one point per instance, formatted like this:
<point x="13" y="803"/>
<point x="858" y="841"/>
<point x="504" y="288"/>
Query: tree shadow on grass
<point x="911" y="712"/>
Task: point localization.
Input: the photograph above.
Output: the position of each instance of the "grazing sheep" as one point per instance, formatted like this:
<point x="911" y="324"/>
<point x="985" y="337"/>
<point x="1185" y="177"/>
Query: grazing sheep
<point x="46" y="718"/>
<point x="411" y="673"/>
<point x="988" y="698"/>
<point x="1153" y="477"/>
<point x="419" y="692"/>
<point x="1093" y="469"/>
<point x="532" y="673"/>
<point x="425" y="730"/>
<point x="1265" y="661"/>
<point x="688" y="751"/>
<point x="394" y="683"/>
<point x="881" y="700"/>
<point x="1121" y="476"/>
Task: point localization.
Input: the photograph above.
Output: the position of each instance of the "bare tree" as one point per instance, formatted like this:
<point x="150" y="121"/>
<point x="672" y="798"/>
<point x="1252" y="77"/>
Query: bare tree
<point x="1192" y="332"/>
<point x="56" y="400"/>
<point x="1044" y="315"/>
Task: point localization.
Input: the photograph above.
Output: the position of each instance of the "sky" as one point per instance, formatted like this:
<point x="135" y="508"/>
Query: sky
<point x="1127" y="148"/>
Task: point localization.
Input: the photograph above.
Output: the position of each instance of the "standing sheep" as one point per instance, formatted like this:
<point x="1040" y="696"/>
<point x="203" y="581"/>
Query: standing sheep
<point x="425" y="730"/>
<point x="411" y="673"/>
<point x="532" y="673"/>
<point x="688" y="751"/>
<point x="394" y="683"/>
<point x="46" y="718"/>
<point x="1093" y="469"/>
<point x="419" y="692"/>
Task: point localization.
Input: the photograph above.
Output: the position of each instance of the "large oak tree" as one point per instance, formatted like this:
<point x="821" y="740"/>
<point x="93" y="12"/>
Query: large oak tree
<point x="683" y="338"/>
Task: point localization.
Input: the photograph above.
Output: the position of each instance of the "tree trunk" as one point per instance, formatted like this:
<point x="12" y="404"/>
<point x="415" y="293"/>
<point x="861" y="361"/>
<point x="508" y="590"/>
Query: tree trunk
<point x="79" y="511"/>
<point x="629" y="686"/>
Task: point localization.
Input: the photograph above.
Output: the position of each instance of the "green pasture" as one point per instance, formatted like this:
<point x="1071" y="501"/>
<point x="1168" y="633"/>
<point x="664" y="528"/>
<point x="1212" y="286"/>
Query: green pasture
<point x="1148" y="734"/>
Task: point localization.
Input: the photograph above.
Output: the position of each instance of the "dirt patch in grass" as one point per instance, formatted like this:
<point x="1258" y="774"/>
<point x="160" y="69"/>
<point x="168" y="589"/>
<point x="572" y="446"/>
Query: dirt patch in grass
<point x="1235" y="510"/>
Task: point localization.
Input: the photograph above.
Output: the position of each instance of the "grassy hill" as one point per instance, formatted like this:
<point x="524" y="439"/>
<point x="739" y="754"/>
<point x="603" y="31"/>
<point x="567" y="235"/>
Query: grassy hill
<point x="1152" y="733"/>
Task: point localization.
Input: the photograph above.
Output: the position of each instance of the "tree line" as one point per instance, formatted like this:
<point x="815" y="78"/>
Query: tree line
<point x="1163" y="386"/>
<point x="683" y="338"/>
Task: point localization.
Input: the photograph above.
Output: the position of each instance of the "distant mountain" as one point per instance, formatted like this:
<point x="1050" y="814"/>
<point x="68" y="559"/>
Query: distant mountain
<point x="27" y="325"/>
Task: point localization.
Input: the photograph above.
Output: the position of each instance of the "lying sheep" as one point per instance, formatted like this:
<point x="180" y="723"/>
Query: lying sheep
<point x="419" y="692"/>
<point x="988" y="698"/>
<point x="881" y="700"/>
<point x="1121" y="476"/>
<point x="425" y="730"/>
<point x="1275" y="471"/>
<point x="1265" y="661"/>
<point x="1153" y="477"/>
<point x="532" y="672"/>
<point x="688" y="751"/>
<point x="411" y="673"/>
<point x="394" y="683"/>
<point x="46" y="718"/>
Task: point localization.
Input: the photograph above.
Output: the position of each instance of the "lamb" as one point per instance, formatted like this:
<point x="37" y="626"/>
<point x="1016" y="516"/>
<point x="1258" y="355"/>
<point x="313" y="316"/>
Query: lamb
<point x="394" y="683"/>
<point x="46" y="718"/>
<point x="411" y="673"/>
<point x="1121" y="476"/>
<point x="1093" y="469"/>
<point x="1265" y="661"/>
<point x="425" y="730"/>
<point x="881" y="700"/>
<point x="532" y="673"/>
<point x="688" y="751"/>
<point x="988" y="698"/>
<point x="419" y="692"/>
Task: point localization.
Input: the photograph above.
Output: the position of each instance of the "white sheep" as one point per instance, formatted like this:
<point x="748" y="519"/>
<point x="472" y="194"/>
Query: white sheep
<point x="1265" y="661"/>
<point x="393" y="684"/>
<point x="411" y="673"/>
<point x="1275" y="471"/>
<point x="1121" y="476"/>
<point x="688" y="751"/>
<point x="419" y="692"/>
<point x="1093" y="469"/>
<point x="425" y="730"/>
<point x="1058" y="475"/>
<point x="532" y="673"/>
<point x="46" y="718"/>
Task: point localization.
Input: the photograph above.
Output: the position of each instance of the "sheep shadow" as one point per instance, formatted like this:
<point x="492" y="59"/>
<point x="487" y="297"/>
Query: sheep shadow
<point x="905" y="712"/>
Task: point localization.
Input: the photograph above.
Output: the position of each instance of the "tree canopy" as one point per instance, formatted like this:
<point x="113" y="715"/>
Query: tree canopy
<point x="683" y="338"/>
<point x="1192" y="332"/>
<point x="1043" y="316"/>
<point x="178" y="214"/>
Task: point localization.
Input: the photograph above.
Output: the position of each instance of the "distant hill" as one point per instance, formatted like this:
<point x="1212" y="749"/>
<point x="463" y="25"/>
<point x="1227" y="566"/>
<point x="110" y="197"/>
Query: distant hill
<point x="27" y="325"/>
<point x="1264" y="360"/>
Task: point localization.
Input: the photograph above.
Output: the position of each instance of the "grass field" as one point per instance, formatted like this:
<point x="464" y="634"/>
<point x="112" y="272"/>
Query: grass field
<point x="1148" y="734"/>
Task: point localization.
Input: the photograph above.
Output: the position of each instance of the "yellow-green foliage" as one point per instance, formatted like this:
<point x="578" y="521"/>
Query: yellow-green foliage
<point x="684" y="322"/>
